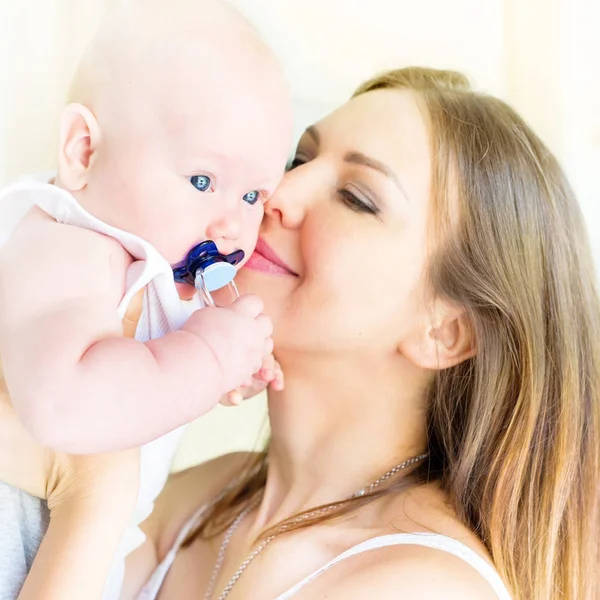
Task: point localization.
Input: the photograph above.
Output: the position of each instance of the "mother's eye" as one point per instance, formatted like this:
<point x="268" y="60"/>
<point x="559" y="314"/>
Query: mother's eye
<point x="295" y="162"/>
<point x="353" y="202"/>
<point x="203" y="183"/>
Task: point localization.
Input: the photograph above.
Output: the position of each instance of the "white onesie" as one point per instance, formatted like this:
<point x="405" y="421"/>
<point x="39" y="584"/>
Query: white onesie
<point x="162" y="312"/>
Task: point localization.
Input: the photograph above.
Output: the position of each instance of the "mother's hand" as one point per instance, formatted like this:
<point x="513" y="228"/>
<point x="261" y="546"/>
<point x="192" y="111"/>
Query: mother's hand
<point x="90" y="500"/>
<point x="58" y="477"/>
<point x="112" y="477"/>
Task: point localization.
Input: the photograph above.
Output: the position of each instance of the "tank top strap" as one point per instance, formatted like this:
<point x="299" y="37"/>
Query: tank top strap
<point x="430" y="540"/>
<point x="153" y="585"/>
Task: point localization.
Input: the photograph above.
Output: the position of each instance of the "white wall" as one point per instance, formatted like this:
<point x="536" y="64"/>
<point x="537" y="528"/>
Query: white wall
<point x="553" y="62"/>
<point x="330" y="46"/>
<point x="40" y="44"/>
<point x="580" y="74"/>
<point x="543" y="56"/>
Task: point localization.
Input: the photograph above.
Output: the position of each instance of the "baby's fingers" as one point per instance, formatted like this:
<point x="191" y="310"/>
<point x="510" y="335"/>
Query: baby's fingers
<point x="278" y="383"/>
<point x="233" y="398"/>
<point x="267" y="370"/>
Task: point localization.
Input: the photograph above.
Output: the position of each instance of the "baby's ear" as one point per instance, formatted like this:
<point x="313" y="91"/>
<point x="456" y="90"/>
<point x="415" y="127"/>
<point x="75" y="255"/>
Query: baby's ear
<point x="79" y="139"/>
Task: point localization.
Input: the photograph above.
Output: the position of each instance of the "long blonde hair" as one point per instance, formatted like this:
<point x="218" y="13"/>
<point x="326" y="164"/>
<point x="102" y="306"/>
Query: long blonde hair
<point x="514" y="433"/>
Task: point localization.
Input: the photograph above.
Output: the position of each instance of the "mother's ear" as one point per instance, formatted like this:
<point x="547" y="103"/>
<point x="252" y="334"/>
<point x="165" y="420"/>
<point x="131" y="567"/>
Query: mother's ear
<point x="79" y="140"/>
<point x="442" y="341"/>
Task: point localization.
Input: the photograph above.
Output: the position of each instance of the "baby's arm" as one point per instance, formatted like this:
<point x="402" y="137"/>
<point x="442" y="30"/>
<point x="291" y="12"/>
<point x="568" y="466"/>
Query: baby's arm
<point x="77" y="384"/>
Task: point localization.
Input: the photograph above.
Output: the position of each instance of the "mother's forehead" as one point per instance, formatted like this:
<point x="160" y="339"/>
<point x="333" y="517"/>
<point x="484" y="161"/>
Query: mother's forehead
<point x="391" y="123"/>
<point x="384" y="114"/>
<point x="385" y="127"/>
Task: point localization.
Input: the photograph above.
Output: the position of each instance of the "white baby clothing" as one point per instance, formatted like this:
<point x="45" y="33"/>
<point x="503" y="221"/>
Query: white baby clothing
<point x="163" y="312"/>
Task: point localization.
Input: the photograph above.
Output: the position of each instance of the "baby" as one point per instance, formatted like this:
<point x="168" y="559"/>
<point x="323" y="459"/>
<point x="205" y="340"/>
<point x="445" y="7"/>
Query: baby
<point x="178" y="131"/>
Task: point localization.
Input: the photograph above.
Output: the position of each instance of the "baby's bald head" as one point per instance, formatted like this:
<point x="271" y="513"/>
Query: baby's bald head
<point x="155" y="48"/>
<point x="176" y="88"/>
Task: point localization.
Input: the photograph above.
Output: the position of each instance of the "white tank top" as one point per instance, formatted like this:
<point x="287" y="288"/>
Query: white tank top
<point x="430" y="540"/>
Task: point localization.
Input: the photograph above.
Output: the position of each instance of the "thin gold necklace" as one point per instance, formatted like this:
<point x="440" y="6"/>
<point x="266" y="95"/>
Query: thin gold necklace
<point x="237" y="522"/>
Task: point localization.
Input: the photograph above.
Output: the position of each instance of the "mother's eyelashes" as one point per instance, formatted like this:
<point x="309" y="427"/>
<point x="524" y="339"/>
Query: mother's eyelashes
<point x="295" y="163"/>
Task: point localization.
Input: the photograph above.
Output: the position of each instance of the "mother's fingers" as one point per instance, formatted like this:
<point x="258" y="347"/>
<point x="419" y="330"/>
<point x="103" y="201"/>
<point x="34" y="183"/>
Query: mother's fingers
<point x="24" y="463"/>
<point x="77" y="477"/>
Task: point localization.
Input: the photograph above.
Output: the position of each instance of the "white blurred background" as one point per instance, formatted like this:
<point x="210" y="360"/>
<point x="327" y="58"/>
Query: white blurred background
<point x="542" y="56"/>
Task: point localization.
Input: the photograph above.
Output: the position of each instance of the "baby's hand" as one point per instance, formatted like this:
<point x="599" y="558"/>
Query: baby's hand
<point x="239" y="336"/>
<point x="270" y="375"/>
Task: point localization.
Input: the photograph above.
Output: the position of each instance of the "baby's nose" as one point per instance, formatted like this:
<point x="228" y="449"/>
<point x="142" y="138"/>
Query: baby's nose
<point x="227" y="224"/>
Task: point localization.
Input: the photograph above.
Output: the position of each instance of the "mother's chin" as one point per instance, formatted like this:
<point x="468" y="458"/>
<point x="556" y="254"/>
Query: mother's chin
<point x="275" y="288"/>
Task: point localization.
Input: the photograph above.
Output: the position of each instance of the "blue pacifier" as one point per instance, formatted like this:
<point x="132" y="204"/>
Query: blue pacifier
<point x="208" y="270"/>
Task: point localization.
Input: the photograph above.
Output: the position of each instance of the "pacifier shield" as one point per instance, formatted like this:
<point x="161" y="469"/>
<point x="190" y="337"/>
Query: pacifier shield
<point x="217" y="275"/>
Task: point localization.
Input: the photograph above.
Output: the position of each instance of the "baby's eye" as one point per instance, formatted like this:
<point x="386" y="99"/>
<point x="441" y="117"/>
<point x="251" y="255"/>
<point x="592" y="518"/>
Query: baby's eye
<point x="251" y="197"/>
<point x="202" y="183"/>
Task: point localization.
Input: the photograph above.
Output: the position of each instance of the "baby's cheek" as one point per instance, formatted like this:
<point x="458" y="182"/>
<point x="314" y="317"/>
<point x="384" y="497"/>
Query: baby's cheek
<point x="252" y="231"/>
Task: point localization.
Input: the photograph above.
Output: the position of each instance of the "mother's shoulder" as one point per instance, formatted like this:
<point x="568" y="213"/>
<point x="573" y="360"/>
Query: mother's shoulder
<point x="411" y="572"/>
<point x="188" y="490"/>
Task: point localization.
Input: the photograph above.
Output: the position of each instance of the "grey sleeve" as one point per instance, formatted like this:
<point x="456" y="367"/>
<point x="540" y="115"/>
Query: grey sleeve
<point x="23" y="522"/>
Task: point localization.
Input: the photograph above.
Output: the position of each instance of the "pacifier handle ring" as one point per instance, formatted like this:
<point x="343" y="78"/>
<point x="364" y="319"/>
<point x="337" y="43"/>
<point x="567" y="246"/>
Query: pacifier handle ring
<point x="200" y="285"/>
<point x="206" y="295"/>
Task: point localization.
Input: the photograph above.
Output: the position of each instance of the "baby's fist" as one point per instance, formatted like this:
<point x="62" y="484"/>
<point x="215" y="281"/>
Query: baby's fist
<point x="239" y="337"/>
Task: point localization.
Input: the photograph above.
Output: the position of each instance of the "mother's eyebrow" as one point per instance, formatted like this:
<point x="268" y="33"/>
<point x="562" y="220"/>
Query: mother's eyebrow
<point x="358" y="158"/>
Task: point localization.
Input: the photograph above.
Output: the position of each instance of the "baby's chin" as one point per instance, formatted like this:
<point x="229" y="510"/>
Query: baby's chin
<point x="185" y="291"/>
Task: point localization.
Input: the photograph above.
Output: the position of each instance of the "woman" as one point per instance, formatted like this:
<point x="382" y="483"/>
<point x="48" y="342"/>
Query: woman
<point x="427" y="270"/>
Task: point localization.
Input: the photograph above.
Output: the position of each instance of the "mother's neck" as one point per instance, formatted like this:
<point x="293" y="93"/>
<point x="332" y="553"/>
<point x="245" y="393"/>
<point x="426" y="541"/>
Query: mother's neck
<point x="340" y="423"/>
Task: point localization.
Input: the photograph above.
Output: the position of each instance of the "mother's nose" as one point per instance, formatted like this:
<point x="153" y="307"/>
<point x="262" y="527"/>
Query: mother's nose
<point x="290" y="202"/>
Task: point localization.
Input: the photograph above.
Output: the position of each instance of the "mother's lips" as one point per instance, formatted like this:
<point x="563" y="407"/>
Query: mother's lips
<point x="265" y="259"/>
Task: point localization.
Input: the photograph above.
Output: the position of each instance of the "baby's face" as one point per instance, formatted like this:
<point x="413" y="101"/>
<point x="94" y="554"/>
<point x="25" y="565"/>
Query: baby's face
<point x="195" y="159"/>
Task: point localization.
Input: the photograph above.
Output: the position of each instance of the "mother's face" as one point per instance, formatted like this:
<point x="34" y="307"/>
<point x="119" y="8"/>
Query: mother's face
<point x="349" y="223"/>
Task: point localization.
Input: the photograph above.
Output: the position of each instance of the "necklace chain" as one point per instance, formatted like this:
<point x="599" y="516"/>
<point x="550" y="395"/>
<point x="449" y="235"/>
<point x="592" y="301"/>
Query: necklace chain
<point x="240" y="518"/>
